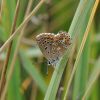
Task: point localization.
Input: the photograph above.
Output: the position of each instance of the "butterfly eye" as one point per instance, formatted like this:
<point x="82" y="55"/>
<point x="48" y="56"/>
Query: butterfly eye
<point x="49" y="63"/>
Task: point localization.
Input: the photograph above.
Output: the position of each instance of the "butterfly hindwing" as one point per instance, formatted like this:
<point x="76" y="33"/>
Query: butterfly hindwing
<point x="53" y="46"/>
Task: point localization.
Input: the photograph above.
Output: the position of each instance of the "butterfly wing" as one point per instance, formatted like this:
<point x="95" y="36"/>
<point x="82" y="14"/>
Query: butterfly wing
<point x="63" y="41"/>
<point x="53" y="46"/>
<point x="45" y="41"/>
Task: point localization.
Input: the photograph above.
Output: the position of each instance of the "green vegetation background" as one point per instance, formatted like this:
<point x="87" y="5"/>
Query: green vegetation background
<point x="30" y="80"/>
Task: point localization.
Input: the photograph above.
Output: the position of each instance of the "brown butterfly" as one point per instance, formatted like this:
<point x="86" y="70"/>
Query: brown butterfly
<point x="53" y="46"/>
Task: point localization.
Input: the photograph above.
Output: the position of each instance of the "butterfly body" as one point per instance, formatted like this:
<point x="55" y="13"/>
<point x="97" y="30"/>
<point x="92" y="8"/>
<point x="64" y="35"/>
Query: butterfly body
<point x="53" y="46"/>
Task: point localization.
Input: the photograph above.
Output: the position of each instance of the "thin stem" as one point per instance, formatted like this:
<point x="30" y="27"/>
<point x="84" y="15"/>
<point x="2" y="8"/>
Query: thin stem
<point x="90" y="85"/>
<point x="22" y="24"/>
<point x="18" y="44"/>
<point x="3" y="78"/>
<point x="2" y="2"/>
<point x="82" y="45"/>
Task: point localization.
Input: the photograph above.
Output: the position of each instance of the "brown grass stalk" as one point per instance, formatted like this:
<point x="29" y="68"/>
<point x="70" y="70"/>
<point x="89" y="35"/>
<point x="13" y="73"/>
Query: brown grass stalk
<point x="4" y="69"/>
<point x="1" y="9"/>
<point x="22" y="24"/>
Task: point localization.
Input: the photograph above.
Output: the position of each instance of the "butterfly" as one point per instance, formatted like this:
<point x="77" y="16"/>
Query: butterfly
<point x="53" y="46"/>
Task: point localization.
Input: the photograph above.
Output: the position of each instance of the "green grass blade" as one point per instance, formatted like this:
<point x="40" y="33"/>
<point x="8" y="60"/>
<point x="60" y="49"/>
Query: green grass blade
<point x="94" y="8"/>
<point x="7" y="16"/>
<point x="31" y="70"/>
<point x="81" y="74"/>
<point x="76" y="27"/>
<point x="95" y="74"/>
<point x="14" y="92"/>
<point x="2" y="34"/>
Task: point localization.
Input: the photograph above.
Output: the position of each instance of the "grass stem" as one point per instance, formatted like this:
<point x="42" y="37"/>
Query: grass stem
<point x="82" y="45"/>
<point x="4" y="69"/>
<point x="21" y="26"/>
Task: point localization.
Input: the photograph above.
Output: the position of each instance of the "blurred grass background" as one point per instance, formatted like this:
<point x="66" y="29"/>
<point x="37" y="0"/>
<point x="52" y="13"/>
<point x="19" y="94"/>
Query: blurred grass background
<point x="29" y="80"/>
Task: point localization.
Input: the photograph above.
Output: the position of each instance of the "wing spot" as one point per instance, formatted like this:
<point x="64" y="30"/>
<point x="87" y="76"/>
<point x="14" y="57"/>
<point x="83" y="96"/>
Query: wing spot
<point x="48" y="52"/>
<point x="45" y="48"/>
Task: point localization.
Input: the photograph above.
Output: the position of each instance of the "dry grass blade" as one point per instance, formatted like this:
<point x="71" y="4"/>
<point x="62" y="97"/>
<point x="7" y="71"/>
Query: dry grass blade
<point x="2" y="2"/>
<point x="3" y="79"/>
<point x="17" y="47"/>
<point x="82" y="45"/>
<point x="22" y="24"/>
